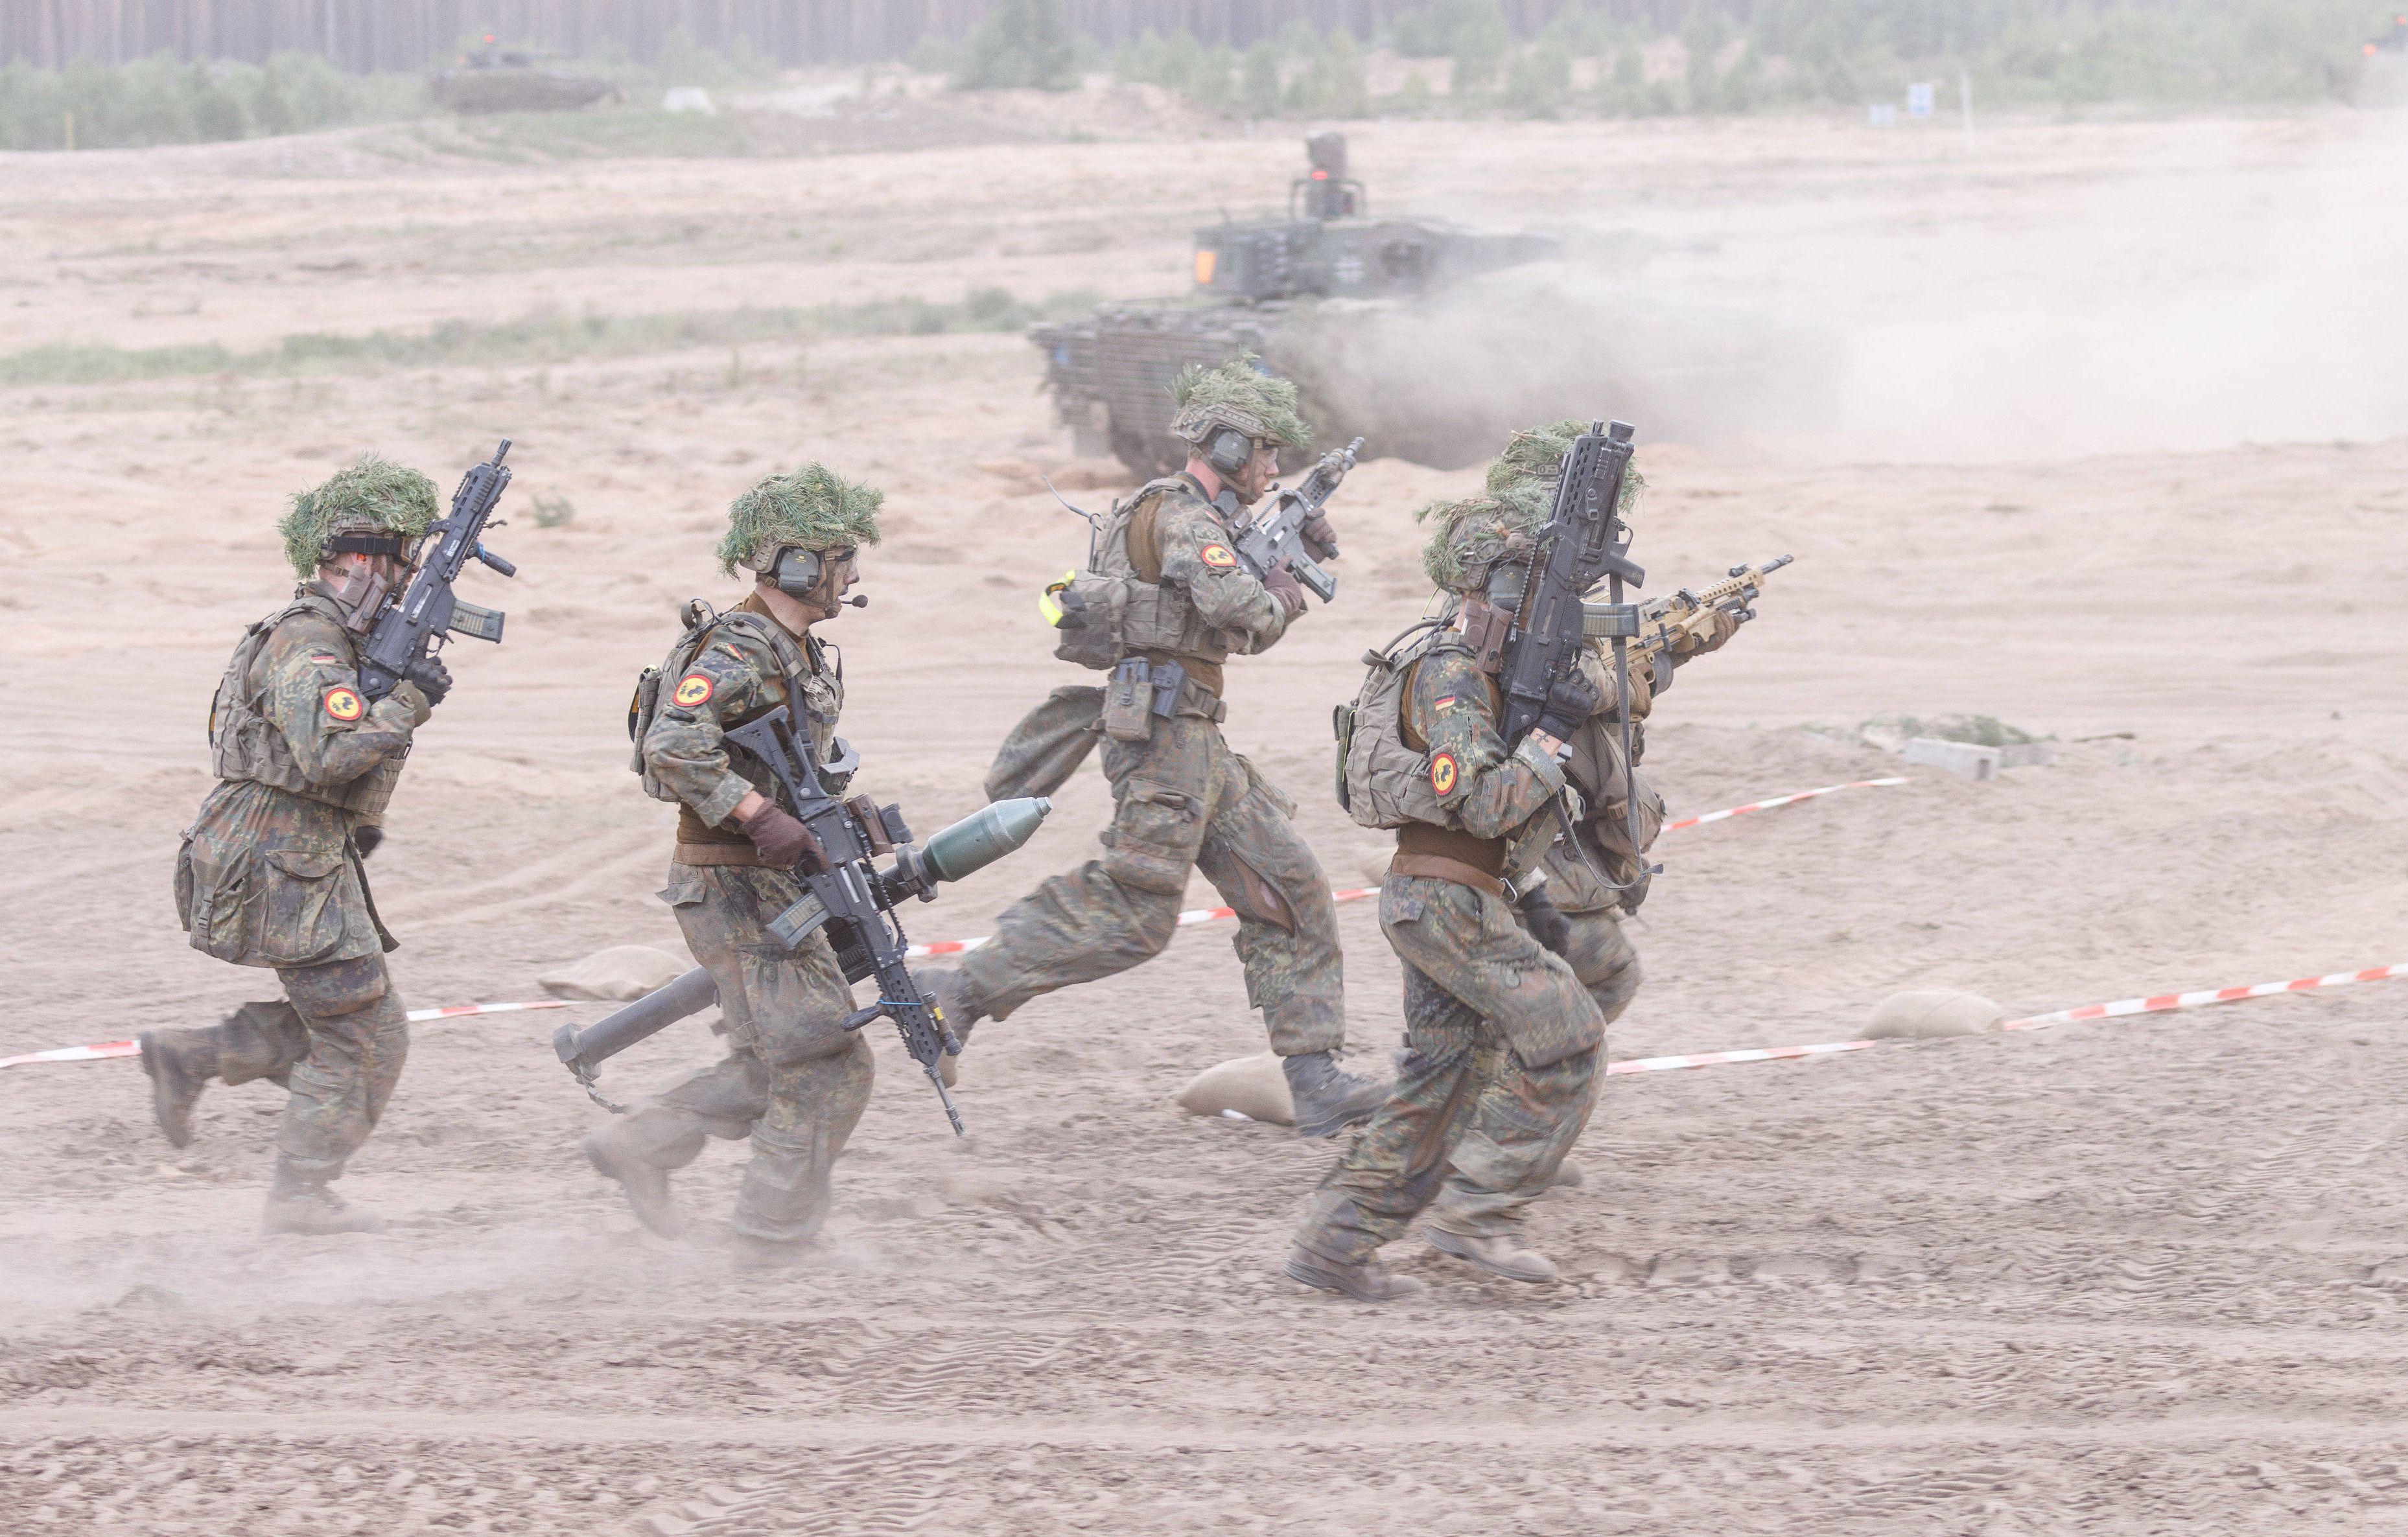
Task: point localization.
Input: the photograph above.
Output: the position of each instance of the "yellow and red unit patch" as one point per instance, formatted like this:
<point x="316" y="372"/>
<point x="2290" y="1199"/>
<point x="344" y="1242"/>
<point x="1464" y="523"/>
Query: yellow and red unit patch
<point x="344" y="704"/>
<point x="1444" y="774"/>
<point x="1217" y="557"/>
<point x="692" y="689"/>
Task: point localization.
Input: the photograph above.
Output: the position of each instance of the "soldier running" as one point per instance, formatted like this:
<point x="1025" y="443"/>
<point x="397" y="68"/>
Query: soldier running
<point x="794" y="1079"/>
<point x="270" y="874"/>
<point x="1514" y="952"/>
<point x="1174" y="603"/>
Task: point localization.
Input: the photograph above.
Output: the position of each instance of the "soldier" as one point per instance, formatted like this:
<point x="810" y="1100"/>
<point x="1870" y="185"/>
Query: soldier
<point x="1507" y="998"/>
<point x="270" y="874"/>
<point x="1182" y="799"/>
<point x="794" y="1080"/>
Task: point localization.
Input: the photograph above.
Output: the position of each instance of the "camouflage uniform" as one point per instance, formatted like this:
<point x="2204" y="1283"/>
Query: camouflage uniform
<point x="1502" y="1038"/>
<point x="1183" y="800"/>
<point x="270" y="875"/>
<point x="794" y="1080"/>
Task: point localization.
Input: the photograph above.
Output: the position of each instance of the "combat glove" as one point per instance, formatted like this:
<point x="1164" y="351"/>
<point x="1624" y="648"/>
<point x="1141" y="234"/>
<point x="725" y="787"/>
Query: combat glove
<point x="1283" y="586"/>
<point x="1569" y="704"/>
<point x="433" y="678"/>
<point x="1547" y="923"/>
<point x="785" y="842"/>
<point x="1319" y="538"/>
<point x="366" y="837"/>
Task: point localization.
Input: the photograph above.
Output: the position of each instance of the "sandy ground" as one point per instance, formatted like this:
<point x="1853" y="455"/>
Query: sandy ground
<point x="2144" y="1277"/>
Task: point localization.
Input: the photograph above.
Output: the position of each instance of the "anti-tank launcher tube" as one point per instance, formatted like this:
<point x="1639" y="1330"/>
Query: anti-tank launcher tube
<point x="968" y="846"/>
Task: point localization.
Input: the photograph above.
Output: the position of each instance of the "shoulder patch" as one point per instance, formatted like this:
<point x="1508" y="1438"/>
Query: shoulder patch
<point x="1217" y="557"/>
<point x="323" y="659"/>
<point x="1444" y="774"/>
<point x="693" y="689"/>
<point x="1445" y="701"/>
<point x="343" y="703"/>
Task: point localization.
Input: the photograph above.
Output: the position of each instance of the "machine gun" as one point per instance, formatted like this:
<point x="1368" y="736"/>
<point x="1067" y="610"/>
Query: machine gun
<point x="852" y="899"/>
<point x="1583" y="541"/>
<point x="1671" y="625"/>
<point x="1276" y="538"/>
<point x="414" y="626"/>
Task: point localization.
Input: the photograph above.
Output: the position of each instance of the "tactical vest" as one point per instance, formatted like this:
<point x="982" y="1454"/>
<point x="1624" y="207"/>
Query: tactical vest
<point x="1126" y="608"/>
<point x="807" y="683"/>
<point x="244" y="743"/>
<point x="1382" y="781"/>
<point x="1383" y="777"/>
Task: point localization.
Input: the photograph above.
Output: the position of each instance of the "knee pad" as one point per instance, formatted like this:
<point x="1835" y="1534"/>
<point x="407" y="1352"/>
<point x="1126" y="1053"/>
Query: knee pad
<point x="344" y="986"/>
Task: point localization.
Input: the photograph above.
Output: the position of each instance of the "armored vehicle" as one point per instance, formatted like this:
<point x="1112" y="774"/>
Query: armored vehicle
<point x="1305" y="292"/>
<point x="509" y="80"/>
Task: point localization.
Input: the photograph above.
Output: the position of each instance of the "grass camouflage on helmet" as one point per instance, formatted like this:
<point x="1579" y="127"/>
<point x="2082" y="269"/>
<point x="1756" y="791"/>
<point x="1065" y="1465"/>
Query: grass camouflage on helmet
<point x="1239" y="394"/>
<point x="373" y="495"/>
<point x="1475" y="532"/>
<point x="812" y="508"/>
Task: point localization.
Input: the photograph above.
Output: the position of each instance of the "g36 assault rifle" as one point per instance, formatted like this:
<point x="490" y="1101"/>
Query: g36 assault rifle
<point x="1583" y="541"/>
<point x="1276" y="538"/>
<point x="415" y="625"/>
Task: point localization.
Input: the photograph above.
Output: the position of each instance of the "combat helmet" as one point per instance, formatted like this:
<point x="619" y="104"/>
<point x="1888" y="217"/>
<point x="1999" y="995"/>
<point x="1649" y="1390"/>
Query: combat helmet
<point x="372" y="506"/>
<point x="811" y="508"/>
<point x="1240" y="394"/>
<point x="1476" y="535"/>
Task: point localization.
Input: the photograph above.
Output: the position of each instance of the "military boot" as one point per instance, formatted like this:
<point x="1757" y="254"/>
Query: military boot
<point x="1327" y="1097"/>
<point x="1496" y="1254"/>
<point x="647" y="1185"/>
<point x="303" y="1206"/>
<point x="180" y="1063"/>
<point x="944" y="986"/>
<point x="1369" y="1282"/>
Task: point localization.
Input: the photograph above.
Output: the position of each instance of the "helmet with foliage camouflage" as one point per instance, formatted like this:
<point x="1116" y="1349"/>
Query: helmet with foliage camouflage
<point x="1476" y="535"/>
<point x="812" y="508"/>
<point x="1239" y="394"/>
<point x="373" y="497"/>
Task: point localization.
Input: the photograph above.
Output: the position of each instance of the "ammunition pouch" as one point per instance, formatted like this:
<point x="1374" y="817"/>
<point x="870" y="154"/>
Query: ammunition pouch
<point x="1141" y="691"/>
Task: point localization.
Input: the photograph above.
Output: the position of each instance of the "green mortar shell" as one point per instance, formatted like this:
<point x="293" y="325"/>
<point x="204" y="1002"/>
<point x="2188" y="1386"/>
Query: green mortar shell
<point x="984" y="836"/>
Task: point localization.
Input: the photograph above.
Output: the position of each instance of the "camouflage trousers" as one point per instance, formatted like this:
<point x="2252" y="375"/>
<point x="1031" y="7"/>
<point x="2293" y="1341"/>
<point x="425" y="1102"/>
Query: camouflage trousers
<point x="794" y="1080"/>
<point x="1503" y="1047"/>
<point x="1182" y="801"/>
<point x="335" y="1042"/>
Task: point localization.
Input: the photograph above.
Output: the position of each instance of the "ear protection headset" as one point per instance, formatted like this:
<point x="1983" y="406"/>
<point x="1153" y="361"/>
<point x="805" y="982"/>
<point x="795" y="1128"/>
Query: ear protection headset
<point x="798" y="572"/>
<point x="1228" y="450"/>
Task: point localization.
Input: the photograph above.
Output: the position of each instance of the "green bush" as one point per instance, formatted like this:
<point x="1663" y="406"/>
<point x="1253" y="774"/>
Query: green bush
<point x="1023" y="43"/>
<point x="159" y="101"/>
<point x="1478" y="45"/>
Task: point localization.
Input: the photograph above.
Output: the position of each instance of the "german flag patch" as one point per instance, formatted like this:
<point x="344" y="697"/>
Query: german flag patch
<point x="692" y="689"/>
<point x="1217" y="557"/>
<point x="344" y="704"/>
<point x="1444" y="774"/>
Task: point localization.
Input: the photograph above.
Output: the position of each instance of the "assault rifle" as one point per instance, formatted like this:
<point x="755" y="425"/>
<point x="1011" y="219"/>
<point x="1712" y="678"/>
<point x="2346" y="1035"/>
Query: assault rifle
<point x="1582" y="542"/>
<point x="1276" y="538"/>
<point x="415" y="625"/>
<point x="854" y="900"/>
<point x="1666" y="625"/>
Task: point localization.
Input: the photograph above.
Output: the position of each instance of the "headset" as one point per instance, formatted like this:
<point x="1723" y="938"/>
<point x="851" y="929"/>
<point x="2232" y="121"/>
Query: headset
<point x="797" y="572"/>
<point x="1228" y="450"/>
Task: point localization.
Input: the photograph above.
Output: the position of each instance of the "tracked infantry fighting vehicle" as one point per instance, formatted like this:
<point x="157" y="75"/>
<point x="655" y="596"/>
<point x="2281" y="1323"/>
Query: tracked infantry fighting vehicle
<point x="1292" y="290"/>
<point x="509" y="80"/>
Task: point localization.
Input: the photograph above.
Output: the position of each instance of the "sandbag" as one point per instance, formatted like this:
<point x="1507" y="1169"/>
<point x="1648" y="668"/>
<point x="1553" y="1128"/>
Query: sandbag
<point x="1932" y="1015"/>
<point x="1048" y="746"/>
<point x="1253" y="1087"/>
<point x="621" y="972"/>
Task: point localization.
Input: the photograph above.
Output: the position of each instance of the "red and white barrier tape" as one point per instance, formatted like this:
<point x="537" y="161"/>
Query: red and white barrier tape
<point x="109" y="1049"/>
<point x="2120" y="1009"/>
<point x="1213" y="915"/>
<point x="1778" y="800"/>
